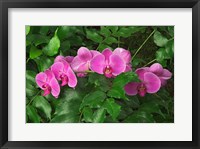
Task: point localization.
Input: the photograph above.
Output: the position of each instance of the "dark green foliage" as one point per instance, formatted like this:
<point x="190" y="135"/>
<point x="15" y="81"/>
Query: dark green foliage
<point x="97" y="99"/>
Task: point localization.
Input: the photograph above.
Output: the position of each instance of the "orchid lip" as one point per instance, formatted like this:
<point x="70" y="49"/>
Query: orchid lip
<point x="141" y="90"/>
<point x="108" y="72"/>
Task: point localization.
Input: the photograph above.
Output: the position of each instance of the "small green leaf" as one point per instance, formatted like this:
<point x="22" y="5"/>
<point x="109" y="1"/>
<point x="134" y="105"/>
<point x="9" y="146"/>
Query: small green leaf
<point x="102" y="46"/>
<point x="114" y="29"/>
<point x="32" y="114"/>
<point x="38" y="39"/>
<point x="44" y="30"/>
<point x="43" y="62"/>
<point x="93" y="99"/>
<point x="105" y="31"/>
<point x="63" y="32"/>
<point x="43" y="105"/>
<point x="65" y="118"/>
<point x="35" y="52"/>
<point x="94" y="36"/>
<point x="110" y="40"/>
<point x="31" y="89"/>
<point x="99" y="115"/>
<point x="112" y="108"/>
<point x="87" y="114"/>
<point x="52" y="48"/>
<point x="27" y="29"/>
<point x="159" y="39"/>
<point x="65" y="47"/>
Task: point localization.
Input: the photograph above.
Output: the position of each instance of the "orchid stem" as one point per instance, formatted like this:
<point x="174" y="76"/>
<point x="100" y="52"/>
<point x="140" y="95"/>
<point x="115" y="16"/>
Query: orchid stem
<point x="143" y="44"/>
<point x="34" y="97"/>
<point x="149" y="62"/>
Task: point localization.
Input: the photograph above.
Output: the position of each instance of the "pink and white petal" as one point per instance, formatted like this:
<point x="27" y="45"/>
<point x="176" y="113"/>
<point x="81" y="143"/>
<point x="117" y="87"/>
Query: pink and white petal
<point x="107" y="53"/>
<point x="76" y="63"/>
<point x="94" y="53"/>
<point x="98" y="64"/>
<point x="84" y="54"/>
<point x="59" y="58"/>
<point x="140" y="72"/>
<point x="152" y="82"/>
<point x="156" y="68"/>
<point x="57" y="68"/>
<point x="128" y="68"/>
<point x="41" y="79"/>
<point x="69" y="59"/>
<point x="166" y="74"/>
<point x="49" y="74"/>
<point x="72" y="80"/>
<point x="131" y="88"/>
<point x="125" y="54"/>
<point x="55" y="87"/>
<point x="117" y="64"/>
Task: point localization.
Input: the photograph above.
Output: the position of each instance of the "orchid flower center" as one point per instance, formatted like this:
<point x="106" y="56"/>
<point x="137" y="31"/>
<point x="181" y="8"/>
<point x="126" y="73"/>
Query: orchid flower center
<point x="142" y="90"/>
<point x="47" y="89"/>
<point x="108" y="71"/>
<point x="64" y="79"/>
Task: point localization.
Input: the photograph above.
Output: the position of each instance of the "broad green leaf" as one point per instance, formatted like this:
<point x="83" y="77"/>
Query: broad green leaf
<point x="44" y="30"/>
<point x="52" y="48"/>
<point x="117" y="89"/>
<point x="171" y="30"/>
<point x="38" y="39"/>
<point x="93" y="99"/>
<point x="140" y="117"/>
<point x="105" y="31"/>
<point x="94" y="36"/>
<point x="66" y="118"/>
<point x="87" y="114"/>
<point x="112" y="108"/>
<point x="43" y="105"/>
<point x="159" y="39"/>
<point x="30" y="75"/>
<point x="169" y="48"/>
<point x="110" y="40"/>
<point x="43" y="62"/>
<point x="35" y="52"/>
<point x="27" y="29"/>
<point x="63" y="32"/>
<point x="31" y="89"/>
<point x="65" y="47"/>
<point x="32" y="114"/>
<point x="99" y="115"/>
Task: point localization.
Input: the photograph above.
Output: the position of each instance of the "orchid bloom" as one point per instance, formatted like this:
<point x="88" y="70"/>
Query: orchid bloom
<point x="108" y="63"/>
<point x="47" y="82"/>
<point x="69" y="59"/>
<point x="81" y="62"/>
<point x="158" y="70"/>
<point x="126" y="56"/>
<point x="63" y="72"/>
<point x="150" y="83"/>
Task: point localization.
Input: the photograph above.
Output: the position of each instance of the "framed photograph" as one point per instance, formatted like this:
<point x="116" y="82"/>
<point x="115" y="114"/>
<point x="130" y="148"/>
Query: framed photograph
<point x="75" y="74"/>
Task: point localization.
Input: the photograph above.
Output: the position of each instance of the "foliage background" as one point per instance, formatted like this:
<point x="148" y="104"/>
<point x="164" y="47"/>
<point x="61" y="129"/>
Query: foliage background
<point x="95" y="98"/>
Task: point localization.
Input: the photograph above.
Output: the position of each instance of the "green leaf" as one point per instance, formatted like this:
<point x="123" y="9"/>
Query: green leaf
<point x="43" y="105"/>
<point x="52" y="48"/>
<point x="140" y="117"/>
<point x="34" y="52"/>
<point x="38" y="39"/>
<point x="44" y="30"/>
<point x="43" y="62"/>
<point x="27" y="29"/>
<point x="30" y="75"/>
<point x="65" y="118"/>
<point x="93" y="100"/>
<point x="105" y="31"/>
<point x="171" y="30"/>
<point x="169" y="48"/>
<point x="117" y="90"/>
<point x="92" y="35"/>
<point x="114" y="29"/>
<point x="112" y="108"/>
<point x="87" y="114"/>
<point x="63" y="32"/>
<point x="32" y="114"/>
<point x="102" y="46"/>
<point x="99" y="115"/>
<point x="65" y="47"/>
<point x="159" y="39"/>
<point x="31" y="89"/>
<point x="110" y="40"/>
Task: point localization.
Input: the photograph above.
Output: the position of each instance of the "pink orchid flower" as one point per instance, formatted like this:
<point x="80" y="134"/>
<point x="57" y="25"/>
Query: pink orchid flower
<point x="81" y="62"/>
<point x="59" y="58"/>
<point x="150" y="83"/>
<point x="63" y="72"/>
<point x="47" y="82"/>
<point x="108" y="63"/>
<point x="126" y="56"/>
<point x="158" y="70"/>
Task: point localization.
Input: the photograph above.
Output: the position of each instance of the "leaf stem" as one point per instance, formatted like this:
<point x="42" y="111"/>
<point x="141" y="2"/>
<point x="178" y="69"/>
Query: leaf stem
<point x="143" y="44"/>
<point x="27" y="60"/>
<point x="149" y="62"/>
<point x="34" y="97"/>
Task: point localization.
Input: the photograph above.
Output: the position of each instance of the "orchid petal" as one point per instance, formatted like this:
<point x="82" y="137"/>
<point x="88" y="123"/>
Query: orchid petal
<point x="107" y="53"/>
<point x="97" y="64"/>
<point x="84" y="54"/>
<point x="69" y="59"/>
<point x="117" y="64"/>
<point x="152" y="82"/>
<point x="166" y="74"/>
<point x="131" y="88"/>
<point x="94" y="53"/>
<point x="124" y="54"/>
<point x="156" y="68"/>
<point x="57" y="68"/>
<point x="140" y="72"/>
<point x="72" y="80"/>
<point x="59" y="59"/>
<point x="79" y="65"/>
<point x="55" y="88"/>
<point x="41" y="79"/>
